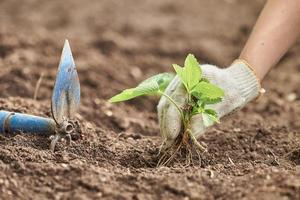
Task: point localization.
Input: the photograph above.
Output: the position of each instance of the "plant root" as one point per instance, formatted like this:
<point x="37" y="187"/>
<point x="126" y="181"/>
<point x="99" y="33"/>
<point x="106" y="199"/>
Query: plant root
<point x="185" y="148"/>
<point x="37" y="86"/>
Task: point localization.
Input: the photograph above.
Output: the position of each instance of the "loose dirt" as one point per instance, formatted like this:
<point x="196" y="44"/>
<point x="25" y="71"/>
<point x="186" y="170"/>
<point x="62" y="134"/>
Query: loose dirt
<point x="252" y="154"/>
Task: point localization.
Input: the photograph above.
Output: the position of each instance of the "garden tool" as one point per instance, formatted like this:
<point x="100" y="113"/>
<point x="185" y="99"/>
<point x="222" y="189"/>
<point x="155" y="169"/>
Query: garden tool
<point x="64" y="104"/>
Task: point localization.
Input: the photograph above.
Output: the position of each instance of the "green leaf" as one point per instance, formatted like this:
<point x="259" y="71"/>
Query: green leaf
<point x="209" y="117"/>
<point x="162" y="79"/>
<point x="206" y="100"/>
<point x="212" y="101"/>
<point x="204" y="90"/>
<point x="190" y="74"/>
<point x="205" y="80"/>
<point x="211" y="112"/>
<point x="193" y="71"/>
<point x="181" y="73"/>
<point x="151" y="85"/>
<point x="196" y="110"/>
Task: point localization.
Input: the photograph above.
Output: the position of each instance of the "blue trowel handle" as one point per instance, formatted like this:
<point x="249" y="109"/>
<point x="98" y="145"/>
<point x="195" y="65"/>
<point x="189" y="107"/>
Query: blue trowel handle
<point x="16" y="122"/>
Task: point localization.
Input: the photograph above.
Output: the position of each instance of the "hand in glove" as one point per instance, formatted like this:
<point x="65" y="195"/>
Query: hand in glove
<point x="240" y="86"/>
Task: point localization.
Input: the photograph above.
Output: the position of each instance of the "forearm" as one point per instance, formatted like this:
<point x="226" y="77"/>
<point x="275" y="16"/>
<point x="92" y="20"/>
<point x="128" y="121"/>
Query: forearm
<point x="277" y="28"/>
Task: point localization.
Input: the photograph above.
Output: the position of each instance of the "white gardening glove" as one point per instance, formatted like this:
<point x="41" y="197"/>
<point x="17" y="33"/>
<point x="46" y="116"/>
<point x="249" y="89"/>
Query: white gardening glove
<point x="240" y="85"/>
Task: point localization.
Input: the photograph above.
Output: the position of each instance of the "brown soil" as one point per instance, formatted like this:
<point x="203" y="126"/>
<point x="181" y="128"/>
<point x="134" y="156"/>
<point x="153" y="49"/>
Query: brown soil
<point x="253" y="154"/>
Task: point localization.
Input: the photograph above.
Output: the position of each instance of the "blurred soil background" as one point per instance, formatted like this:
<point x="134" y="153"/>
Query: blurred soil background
<point x="253" y="154"/>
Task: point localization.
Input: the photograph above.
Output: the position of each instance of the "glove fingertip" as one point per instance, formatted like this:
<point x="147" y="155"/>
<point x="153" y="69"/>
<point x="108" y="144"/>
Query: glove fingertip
<point x="172" y="86"/>
<point x="172" y="123"/>
<point x="163" y="102"/>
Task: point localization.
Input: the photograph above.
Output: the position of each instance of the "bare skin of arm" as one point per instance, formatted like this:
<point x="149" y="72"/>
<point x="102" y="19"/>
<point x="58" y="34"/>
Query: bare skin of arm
<point x="276" y="30"/>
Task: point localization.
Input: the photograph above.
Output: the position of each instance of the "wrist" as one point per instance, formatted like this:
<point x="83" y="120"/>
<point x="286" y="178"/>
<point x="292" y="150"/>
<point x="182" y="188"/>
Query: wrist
<point x="247" y="80"/>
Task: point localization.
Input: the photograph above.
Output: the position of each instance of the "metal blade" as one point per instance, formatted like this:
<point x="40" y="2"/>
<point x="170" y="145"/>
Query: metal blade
<point x="66" y="92"/>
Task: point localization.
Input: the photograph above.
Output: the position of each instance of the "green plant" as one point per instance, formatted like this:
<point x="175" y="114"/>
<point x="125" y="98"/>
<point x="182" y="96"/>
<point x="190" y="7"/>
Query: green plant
<point x="200" y="93"/>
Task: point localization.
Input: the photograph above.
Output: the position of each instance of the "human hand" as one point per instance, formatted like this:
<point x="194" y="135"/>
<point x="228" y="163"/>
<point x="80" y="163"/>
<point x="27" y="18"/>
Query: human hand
<point x="240" y="86"/>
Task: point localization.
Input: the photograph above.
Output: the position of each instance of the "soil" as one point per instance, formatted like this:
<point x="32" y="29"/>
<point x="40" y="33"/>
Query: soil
<point x="252" y="154"/>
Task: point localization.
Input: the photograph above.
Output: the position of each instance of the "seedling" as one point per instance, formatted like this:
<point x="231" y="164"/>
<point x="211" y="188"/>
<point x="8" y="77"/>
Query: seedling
<point x="64" y="104"/>
<point x="200" y="93"/>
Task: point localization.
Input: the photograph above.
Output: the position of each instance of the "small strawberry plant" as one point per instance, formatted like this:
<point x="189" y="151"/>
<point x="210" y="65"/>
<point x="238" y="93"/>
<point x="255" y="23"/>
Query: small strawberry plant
<point x="200" y="93"/>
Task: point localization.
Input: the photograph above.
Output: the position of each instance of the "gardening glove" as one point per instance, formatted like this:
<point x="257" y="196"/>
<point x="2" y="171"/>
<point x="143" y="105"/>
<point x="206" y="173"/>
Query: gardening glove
<point x="239" y="83"/>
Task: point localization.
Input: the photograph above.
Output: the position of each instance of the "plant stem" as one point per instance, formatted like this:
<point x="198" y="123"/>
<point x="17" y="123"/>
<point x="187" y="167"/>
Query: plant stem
<point x="189" y="96"/>
<point x="174" y="103"/>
